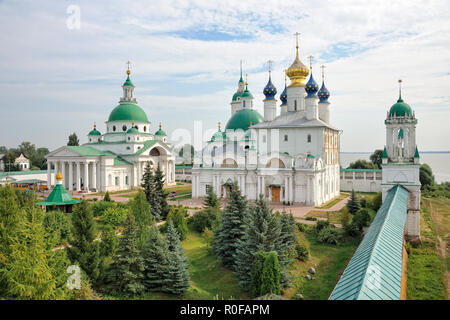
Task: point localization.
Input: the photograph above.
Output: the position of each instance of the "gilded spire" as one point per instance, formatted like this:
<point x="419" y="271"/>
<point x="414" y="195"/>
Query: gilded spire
<point x="400" y="89"/>
<point x="128" y="67"/>
<point x="218" y="125"/>
<point x="95" y="126"/>
<point x="246" y="80"/>
<point x="132" y="123"/>
<point x="160" y="126"/>
<point x="297" y="72"/>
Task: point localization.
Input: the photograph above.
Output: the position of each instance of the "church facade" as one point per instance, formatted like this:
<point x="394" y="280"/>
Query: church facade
<point x="401" y="161"/>
<point x="291" y="155"/>
<point x="116" y="159"/>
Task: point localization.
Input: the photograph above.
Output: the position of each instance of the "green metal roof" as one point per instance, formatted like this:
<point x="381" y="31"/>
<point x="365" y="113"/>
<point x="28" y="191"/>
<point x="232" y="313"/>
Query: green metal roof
<point x="19" y="173"/>
<point x="236" y="95"/>
<point x="160" y="132"/>
<point x="375" y="270"/>
<point x="94" y="132"/>
<point x="128" y="112"/>
<point x="246" y="94"/>
<point x="147" y="144"/>
<point x="384" y="155"/>
<point x="360" y="170"/>
<point x="128" y="82"/>
<point x="416" y="154"/>
<point x="118" y="161"/>
<point x="89" y="151"/>
<point x="133" y="130"/>
<point x="183" y="167"/>
<point x="400" y="109"/>
<point x="242" y="118"/>
<point x="31" y="181"/>
<point x="58" y="197"/>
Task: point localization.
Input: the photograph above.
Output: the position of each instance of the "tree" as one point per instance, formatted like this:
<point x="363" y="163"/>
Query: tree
<point x="377" y="157"/>
<point x="256" y="273"/>
<point x="8" y="161"/>
<point x="27" y="149"/>
<point x="57" y="227"/>
<point x="127" y="270"/>
<point x="159" y="199"/>
<point x="156" y="259"/>
<point x="3" y="150"/>
<point x="83" y="247"/>
<point x="232" y="228"/>
<point x="141" y="211"/>
<point x="362" y="164"/>
<point x="177" y="273"/>
<point x="73" y="140"/>
<point x="177" y="217"/>
<point x="27" y="272"/>
<point x="353" y="204"/>
<point x="107" y="197"/>
<point x="205" y="218"/>
<point x="270" y="279"/>
<point x="426" y="176"/>
<point x="211" y="200"/>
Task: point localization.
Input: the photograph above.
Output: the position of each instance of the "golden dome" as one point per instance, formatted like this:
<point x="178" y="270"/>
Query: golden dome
<point x="297" y="72"/>
<point x="59" y="176"/>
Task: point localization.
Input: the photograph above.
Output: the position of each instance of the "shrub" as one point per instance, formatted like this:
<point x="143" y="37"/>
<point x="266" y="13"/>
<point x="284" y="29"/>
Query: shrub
<point x="375" y="204"/>
<point x="345" y="218"/>
<point x="301" y="226"/>
<point x="177" y="216"/>
<point x="322" y="224"/>
<point x="363" y="202"/>
<point x="352" y="230"/>
<point x="114" y="216"/>
<point x="310" y="218"/>
<point x="330" y="235"/>
<point x="107" y="197"/>
<point x="361" y="218"/>
<point x="99" y="207"/>
<point x="206" y="218"/>
<point x="208" y="235"/>
<point x="353" y="204"/>
<point x="301" y="251"/>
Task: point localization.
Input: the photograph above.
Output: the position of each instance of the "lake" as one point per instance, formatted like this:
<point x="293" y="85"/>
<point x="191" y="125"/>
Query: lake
<point x="439" y="162"/>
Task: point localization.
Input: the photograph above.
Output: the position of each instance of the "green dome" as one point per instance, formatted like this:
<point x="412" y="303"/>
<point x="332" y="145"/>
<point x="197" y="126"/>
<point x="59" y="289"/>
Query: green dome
<point x="246" y="94"/>
<point x="95" y="132"/>
<point x="400" y="109"/>
<point x="237" y="95"/>
<point x="128" y="112"/>
<point x="160" y="132"/>
<point x="242" y="119"/>
<point x="219" y="135"/>
<point x="133" y="130"/>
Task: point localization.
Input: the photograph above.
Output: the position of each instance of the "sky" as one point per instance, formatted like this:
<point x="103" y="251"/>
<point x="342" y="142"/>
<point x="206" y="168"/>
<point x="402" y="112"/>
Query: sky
<point x="61" y="74"/>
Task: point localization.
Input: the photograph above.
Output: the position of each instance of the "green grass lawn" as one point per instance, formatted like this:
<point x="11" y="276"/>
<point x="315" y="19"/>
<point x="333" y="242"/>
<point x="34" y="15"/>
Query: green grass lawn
<point x="331" y="203"/>
<point x="331" y="261"/>
<point x="428" y="261"/>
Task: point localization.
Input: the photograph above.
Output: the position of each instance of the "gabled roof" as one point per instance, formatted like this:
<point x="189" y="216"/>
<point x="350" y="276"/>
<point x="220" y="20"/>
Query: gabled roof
<point x="59" y="197"/>
<point x="89" y="151"/>
<point x="118" y="161"/>
<point x="375" y="270"/>
<point x="147" y="144"/>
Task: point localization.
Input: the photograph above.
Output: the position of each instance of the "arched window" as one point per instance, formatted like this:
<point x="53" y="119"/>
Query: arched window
<point x="154" y="152"/>
<point x="114" y="128"/>
<point x="285" y="137"/>
<point x="309" y="138"/>
<point x="124" y="128"/>
<point x="295" y="105"/>
<point x="244" y="103"/>
<point x="145" y="128"/>
<point x="128" y="138"/>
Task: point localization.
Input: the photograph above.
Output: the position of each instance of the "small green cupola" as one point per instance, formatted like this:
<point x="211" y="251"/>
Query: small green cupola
<point x="219" y="135"/>
<point x="160" y="132"/>
<point x="416" y="154"/>
<point x="384" y="155"/>
<point x="94" y="132"/>
<point x="400" y="108"/>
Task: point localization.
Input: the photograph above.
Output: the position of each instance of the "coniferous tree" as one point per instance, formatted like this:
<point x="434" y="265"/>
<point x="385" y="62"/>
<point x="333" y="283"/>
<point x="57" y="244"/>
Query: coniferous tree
<point x="159" y="202"/>
<point x="127" y="270"/>
<point x="353" y="204"/>
<point x="177" y="216"/>
<point x="177" y="273"/>
<point x="256" y="273"/>
<point x="83" y="247"/>
<point x="73" y="140"/>
<point x="211" y="200"/>
<point x="140" y="209"/>
<point x="270" y="280"/>
<point x="107" y="197"/>
<point x="286" y="243"/>
<point x="232" y="228"/>
<point x="156" y="259"/>
<point x="27" y="272"/>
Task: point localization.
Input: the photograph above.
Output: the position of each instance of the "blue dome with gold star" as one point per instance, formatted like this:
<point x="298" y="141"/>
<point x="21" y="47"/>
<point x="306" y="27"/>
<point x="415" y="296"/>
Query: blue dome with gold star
<point x="283" y="96"/>
<point x="311" y="87"/>
<point x="323" y="93"/>
<point x="269" y="90"/>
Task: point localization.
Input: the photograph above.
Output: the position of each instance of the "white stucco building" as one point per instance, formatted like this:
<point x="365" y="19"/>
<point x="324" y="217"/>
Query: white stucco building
<point x="287" y="156"/>
<point x="401" y="161"/>
<point x="116" y="159"/>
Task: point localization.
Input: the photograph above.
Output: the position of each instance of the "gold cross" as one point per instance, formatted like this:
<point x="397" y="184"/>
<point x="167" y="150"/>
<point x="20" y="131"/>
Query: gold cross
<point x="269" y="62"/>
<point x="323" y="71"/>
<point x="129" y="64"/>
<point x="296" y="38"/>
<point x="310" y="62"/>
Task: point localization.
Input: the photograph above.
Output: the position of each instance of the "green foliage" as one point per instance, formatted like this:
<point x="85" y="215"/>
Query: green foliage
<point x="330" y="235"/>
<point x="256" y="273"/>
<point x="301" y="226"/>
<point x="377" y="158"/>
<point x="140" y="209"/>
<point x="206" y="218"/>
<point x="232" y="228"/>
<point x="99" y="207"/>
<point x="148" y="184"/>
<point x="8" y="161"/>
<point x="156" y="259"/>
<point x="345" y="218"/>
<point x="211" y="200"/>
<point x="126" y="273"/>
<point x="426" y="176"/>
<point x="352" y="230"/>
<point x="208" y="235"/>
<point x="362" y="164"/>
<point x="301" y="251"/>
<point x="270" y="279"/>
<point x="109" y="243"/>
<point x="107" y="197"/>
<point x="25" y="197"/>
<point x="73" y="140"/>
<point x="57" y="227"/>
<point x="437" y="190"/>
<point x="376" y="202"/>
<point x="158" y="200"/>
<point x="177" y="273"/>
<point x="361" y="218"/>
<point x="322" y="224"/>
<point x="311" y="218"/>
<point x="83" y="247"/>
<point x="114" y="216"/>
<point x="177" y="217"/>
<point x="353" y="204"/>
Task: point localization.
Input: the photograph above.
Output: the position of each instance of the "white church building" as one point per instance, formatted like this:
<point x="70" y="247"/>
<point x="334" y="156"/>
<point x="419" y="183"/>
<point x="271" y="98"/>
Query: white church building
<point x="116" y="159"/>
<point x="290" y="155"/>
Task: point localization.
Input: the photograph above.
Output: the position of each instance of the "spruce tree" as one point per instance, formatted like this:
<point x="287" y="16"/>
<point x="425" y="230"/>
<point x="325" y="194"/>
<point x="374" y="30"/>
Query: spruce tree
<point x="107" y="197"/>
<point x="232" y="228"/>
<point x="211" y="200"/>
<point x="160" y="195"/>
<point x="353" y="204"/>
<point x="148" y="183"/>
<point x="262" y="232"/>
<point x="83" y="247"/>
<point x="127" y="270"/>
<point x="177" y="273"/>
<point x="156" y="259"/>
<point x="285" y="244"/>
<point x="270" y="280"/>
<point x="141" y="211"/>
<point x="27" y="272"/>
